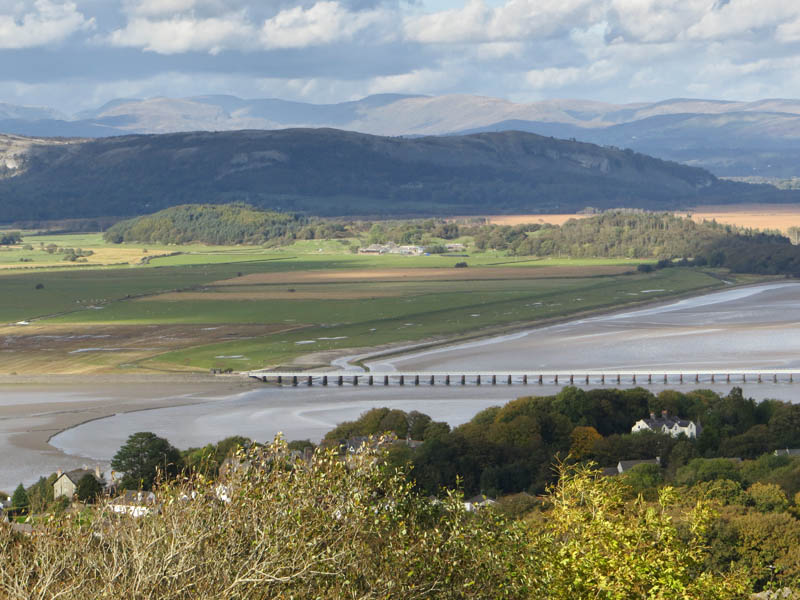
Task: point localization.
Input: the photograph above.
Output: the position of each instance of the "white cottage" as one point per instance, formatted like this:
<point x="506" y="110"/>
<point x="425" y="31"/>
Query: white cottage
<point x="673" y="426"/>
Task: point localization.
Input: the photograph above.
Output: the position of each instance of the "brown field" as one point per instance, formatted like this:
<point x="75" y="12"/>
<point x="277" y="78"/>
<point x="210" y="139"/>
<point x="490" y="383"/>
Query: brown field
<point x="768" y="216"/>
<point x="523" y="219"/>
<point x="422" y="274"/>
<point x="65" y="348"/>
<point x="101" y="256"/>
<point x="777" y="217"/>
<point x="272" y="295"/>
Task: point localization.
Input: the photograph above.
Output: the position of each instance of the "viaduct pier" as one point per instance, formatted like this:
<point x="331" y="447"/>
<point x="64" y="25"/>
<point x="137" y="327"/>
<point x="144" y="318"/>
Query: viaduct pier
<point x="560" y="377"/>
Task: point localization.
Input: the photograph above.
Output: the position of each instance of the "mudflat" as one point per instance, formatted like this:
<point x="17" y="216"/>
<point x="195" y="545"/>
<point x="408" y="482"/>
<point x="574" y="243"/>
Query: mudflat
<point x="35" y="408"/>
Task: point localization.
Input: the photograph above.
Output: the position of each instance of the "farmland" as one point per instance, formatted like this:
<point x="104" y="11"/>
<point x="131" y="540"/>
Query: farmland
<point x="200" y="307"/>
<point x="773" y="217"/>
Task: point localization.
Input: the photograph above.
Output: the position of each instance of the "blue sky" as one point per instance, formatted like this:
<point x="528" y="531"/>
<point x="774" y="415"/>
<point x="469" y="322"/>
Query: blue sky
<point x="78" y="54"/>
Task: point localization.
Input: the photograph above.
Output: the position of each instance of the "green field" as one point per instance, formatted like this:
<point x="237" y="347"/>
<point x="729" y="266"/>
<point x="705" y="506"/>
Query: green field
<point x="248" y="307"/>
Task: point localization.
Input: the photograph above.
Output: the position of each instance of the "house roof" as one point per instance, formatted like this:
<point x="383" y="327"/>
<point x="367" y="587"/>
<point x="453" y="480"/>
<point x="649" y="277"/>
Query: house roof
<point x="629" y="464"/>
<point x="669" y="422"/>
<point x="77" y="474"/>
<point x="481" y="499"/>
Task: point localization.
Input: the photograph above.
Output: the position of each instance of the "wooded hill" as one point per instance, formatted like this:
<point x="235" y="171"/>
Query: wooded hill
<point x="225" y="224"/>
<point x="651" y="235"/>
<point x="332" y="172"/>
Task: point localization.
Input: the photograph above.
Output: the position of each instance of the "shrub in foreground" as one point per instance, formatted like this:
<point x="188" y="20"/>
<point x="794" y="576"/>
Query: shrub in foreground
<point x="355" y="528"/>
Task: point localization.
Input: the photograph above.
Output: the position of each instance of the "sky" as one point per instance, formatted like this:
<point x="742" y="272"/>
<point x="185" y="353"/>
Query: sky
<point x="78" y="54"/>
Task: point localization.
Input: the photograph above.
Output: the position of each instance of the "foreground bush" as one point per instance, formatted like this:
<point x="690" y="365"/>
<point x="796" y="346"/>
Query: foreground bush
<point x="353" y="529"/>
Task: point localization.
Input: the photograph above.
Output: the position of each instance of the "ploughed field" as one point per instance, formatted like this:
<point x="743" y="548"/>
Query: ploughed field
<point x="773" y="217"/>
<point x="247" y="307"/>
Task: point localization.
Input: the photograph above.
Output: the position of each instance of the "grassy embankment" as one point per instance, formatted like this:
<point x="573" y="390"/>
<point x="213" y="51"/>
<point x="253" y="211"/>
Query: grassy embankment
<point x="246" y="308"/>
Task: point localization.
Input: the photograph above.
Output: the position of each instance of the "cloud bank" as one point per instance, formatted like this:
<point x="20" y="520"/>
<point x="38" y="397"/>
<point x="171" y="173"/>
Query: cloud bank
<point x="88" y="51"/>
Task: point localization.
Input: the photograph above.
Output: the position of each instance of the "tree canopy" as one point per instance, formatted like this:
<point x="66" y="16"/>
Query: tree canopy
<point x="226" y="224"/>
<point x="143" y="456"/>
<point x="88" y="488"/>
<point x="19" y="499"/>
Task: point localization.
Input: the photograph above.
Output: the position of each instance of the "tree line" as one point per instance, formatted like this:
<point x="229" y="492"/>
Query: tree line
<point x="633" y="234"/>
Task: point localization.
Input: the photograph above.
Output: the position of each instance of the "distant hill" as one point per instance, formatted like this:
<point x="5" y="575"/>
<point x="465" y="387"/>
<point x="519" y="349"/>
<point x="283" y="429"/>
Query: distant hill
<point x="728" y="138"/>
<point x="332" y="172"/>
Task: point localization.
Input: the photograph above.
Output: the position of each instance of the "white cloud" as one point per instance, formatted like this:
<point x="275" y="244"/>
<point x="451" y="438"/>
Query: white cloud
<point x="323" y="23"/>
<point x="515" y="20"/>
<point x="788" y="32"/>
<point x="153" y="27"/>
<point x="417" y="81"/>
<point x="554" y="78"/>
<point x="743" y="18"/>
<point x="152" y="8"/>
<point x="185" y="34"/>
<point x="617" y="50"/>
<point x="40" y="23"/>
<point x="499" y="50"/>
<point x="654" y="21"/>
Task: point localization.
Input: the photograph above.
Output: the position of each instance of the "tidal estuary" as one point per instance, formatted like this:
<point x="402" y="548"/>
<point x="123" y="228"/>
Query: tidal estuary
<point x="754" y="327"/>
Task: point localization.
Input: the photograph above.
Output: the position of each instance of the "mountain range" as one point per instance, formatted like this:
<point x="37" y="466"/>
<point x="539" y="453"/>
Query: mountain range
<point x="730" y="139"/>
<point x="339" y="173"/>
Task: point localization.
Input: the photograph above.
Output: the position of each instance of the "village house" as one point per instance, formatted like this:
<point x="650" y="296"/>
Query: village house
<point x="66" y="484"/>
<point x="478" y="502"/>
<point x="673" y="426"/>
<point x="374" y="249"/>
<point x="415" y="250"/>
<point x="455" y="247"/>
<point x="391" y="248"/>
<point x="788" y="452"/>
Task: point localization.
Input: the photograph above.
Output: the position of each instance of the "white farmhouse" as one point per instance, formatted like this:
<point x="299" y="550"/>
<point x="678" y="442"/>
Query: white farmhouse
<point x="673" y="426"/>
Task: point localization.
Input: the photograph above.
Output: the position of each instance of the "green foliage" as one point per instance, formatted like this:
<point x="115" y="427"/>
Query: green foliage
<point x="723" y="491"/>
<point x="708" y="469"/>
<point x="637" y="234"/>
<point x="226" y="224"/>
<point x="19" y="499"/>
<point x="767" y="497"/>
<point x="144" y="457"/>
<point x="9" y="238"/>
<point x="357" y="529"/>
<point x="602" y="546"/>
<point x="644" y="479"/>
<point x="301" y="445"/>
<point x="378" y="421"/>
<point x="765" y="545"/>
<point x="88" y="488"/>
<point x="40" y="493"/>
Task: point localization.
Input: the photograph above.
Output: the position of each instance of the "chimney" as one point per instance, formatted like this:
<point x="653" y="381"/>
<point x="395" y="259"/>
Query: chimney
<point x="652" y="415"/>
<point x="664" y="413"/>
<point x="58" y="473"/>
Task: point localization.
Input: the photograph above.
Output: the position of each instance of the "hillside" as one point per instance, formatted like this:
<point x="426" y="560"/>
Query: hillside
<point x="728" y="138"/>
<point x="332" y="172"/>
